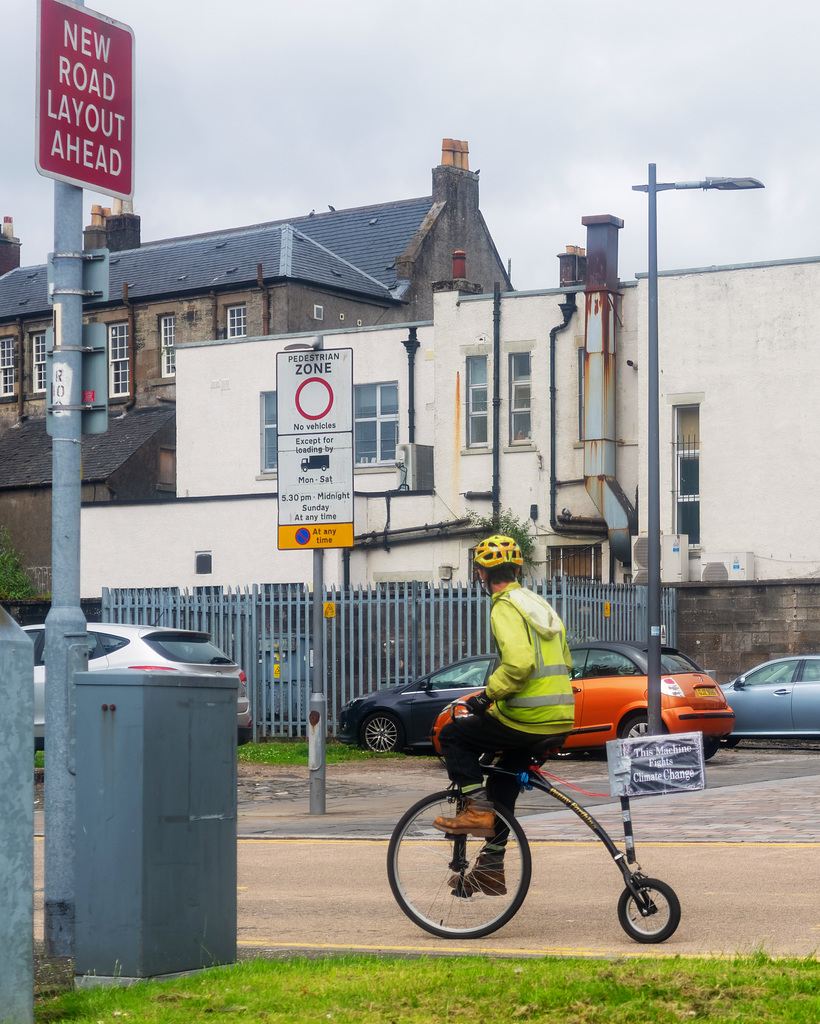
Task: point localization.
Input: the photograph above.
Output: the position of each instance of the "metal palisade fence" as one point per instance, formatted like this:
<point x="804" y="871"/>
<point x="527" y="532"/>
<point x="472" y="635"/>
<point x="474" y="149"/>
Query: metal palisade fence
<point x="375" y="636"/>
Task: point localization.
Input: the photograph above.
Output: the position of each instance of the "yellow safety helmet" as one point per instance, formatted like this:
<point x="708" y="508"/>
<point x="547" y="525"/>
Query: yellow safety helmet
<point x="497" y="550"/>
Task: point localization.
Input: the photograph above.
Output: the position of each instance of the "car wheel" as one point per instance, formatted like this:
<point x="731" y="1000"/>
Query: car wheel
<point x="382" y="733"/>
<point x="711" y="745"/>
<point x="634" y="727"/>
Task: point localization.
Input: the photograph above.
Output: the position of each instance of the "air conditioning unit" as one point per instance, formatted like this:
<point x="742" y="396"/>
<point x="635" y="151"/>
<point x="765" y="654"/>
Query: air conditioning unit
<point x="414" y="467"/>
<point x="722" y="567"/>
<point x="674" y="558"/>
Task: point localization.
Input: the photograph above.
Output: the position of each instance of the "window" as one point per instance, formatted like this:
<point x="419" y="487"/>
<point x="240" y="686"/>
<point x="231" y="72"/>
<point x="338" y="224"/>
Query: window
<point x="167" y="327"/>
<point x="376" y="422"/>
<point x="476" y="400"/>
<point x="318" y="312"/>
<point x="38" y="362"/>
<point x="687" y="465"/>
<point x="268" y="431"/>
<point x="118" y="359"/>
<point x="520" y="393"/>
<point x="203" y="563"/>
<point x="237" y="321"/>
<point x="580" y="562"/>
<point x="6" y="366"/>
<point x="167" y="469"/>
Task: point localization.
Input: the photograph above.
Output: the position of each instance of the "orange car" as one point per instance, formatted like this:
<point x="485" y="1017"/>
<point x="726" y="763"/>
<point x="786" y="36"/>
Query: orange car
<point x="609" y="682"/>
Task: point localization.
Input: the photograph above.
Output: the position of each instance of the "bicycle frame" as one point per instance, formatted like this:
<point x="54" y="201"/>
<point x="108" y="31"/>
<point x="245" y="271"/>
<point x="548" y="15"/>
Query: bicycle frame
<point x="535" y="779"/>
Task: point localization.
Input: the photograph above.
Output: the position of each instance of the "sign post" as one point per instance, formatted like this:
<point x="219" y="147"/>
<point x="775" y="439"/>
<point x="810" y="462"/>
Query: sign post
<point x="85" y="132"/>
<point x="314" y="417"/>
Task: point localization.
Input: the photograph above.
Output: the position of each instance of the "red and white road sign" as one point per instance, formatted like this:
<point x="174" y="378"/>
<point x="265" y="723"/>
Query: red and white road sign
<point x="85" y="99"/>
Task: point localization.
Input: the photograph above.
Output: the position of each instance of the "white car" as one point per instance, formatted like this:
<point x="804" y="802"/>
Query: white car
<point x="114" y="645"/>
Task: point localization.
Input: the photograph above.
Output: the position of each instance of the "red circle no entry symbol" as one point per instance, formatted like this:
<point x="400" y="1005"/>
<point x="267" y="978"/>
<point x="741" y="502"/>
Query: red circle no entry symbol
<point x="314" y="398"/>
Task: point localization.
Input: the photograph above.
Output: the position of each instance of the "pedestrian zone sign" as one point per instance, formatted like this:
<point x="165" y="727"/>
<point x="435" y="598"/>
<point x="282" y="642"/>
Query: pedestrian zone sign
<point x="314" y="416"/>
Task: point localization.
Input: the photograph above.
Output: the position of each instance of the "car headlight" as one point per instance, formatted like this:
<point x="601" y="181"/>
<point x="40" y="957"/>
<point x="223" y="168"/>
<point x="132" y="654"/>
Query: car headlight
<point x="671" y="688"/>
<point x="352" y="703"/>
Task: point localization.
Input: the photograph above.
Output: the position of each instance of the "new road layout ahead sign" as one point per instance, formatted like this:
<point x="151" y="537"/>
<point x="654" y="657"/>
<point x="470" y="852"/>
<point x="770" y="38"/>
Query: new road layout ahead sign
<point x="85" y="99"/>
<point x="314" y="416"/>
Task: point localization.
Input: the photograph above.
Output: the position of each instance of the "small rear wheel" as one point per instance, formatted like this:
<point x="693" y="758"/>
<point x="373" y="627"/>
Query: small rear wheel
<point x="430" y="872"/>
<point x="654" y="916"/>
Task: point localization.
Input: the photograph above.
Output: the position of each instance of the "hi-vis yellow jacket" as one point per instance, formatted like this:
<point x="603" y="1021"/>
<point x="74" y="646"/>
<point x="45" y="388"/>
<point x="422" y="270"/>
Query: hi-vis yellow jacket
<point x="531" y="686"/>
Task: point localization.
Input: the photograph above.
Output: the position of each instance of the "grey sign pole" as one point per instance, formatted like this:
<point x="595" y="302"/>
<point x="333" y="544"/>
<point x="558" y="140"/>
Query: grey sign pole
<point x="317" y="731"/>
<point x="66" y="647"/>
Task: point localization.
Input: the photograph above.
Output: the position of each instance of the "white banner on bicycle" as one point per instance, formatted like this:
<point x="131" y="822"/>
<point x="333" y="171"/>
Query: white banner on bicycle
<point x="655" y="765"/>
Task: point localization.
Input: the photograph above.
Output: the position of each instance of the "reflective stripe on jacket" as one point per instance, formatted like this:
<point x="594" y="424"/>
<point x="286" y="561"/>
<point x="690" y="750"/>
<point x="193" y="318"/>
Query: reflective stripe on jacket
<point x="531" y="686"/>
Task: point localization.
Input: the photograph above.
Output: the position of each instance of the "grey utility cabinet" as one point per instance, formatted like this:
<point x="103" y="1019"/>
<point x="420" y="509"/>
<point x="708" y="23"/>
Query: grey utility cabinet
<point x="156" y="822"/>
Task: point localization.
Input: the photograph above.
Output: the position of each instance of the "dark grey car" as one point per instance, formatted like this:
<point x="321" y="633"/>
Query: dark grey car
<point x="402" y="716"/>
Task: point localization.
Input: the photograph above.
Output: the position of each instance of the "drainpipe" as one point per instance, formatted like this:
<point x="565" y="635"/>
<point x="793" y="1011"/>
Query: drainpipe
<point x="21" y="373"/>
<point x="265" y="300"/>
<point x="411" y="345"/>
<point x="567" y="307"/>
<point x="132" y="348"/>
<point x="599" y="384"/>
<point x="496" y="403"/>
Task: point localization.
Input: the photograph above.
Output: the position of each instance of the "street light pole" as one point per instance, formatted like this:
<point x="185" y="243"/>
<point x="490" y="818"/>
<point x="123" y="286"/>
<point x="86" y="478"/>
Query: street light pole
<point x="653" y="498"/>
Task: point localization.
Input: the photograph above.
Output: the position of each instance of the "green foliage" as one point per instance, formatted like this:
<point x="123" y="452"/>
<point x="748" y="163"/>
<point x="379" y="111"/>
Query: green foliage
<point x="509" y="525"/>
<point x="14" y="580"/>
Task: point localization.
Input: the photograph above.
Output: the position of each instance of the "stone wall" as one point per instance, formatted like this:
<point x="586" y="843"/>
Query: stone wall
<point x="731" y="627"/>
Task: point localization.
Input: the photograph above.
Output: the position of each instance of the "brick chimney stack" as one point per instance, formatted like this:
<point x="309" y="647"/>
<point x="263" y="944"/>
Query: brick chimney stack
<point x="9" y="247"/>
<point x="122" y="227"/>
<point x="572" y="266"/>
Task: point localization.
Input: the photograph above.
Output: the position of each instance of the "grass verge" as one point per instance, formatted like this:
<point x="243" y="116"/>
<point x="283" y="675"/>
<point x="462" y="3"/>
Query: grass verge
<point x="296" y="752"/>
<point x="370" y="990"/>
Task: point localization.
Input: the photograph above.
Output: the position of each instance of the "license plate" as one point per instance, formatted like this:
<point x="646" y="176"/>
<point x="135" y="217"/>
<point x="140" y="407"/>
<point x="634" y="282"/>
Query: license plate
<point x="705" y="691"/>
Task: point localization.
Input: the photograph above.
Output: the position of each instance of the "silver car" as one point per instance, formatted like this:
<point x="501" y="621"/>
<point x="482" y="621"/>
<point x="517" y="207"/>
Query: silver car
<point x="114" y="645"/>
<point x="780" y="698"/>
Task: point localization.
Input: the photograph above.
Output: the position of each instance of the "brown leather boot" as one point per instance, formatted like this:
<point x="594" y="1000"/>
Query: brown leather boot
<point x="487" y="876"/>
<point x="477" y="819"/>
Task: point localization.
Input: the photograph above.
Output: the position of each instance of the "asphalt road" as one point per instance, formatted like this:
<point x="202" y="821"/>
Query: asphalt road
<point x="742" y="856"/>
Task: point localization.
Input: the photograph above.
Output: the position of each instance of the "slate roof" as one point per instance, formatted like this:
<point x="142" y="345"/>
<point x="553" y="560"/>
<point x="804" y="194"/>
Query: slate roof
<point x="25" y="451"/>
<point x="350" y="250"/>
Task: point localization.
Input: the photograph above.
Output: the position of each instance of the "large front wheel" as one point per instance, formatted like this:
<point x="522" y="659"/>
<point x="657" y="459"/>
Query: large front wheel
<point x="437" y="881"/>
<point x="654" y="916"/>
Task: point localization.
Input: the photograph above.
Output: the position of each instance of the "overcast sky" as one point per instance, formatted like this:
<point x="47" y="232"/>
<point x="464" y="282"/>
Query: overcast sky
<point x="256" y="110"/>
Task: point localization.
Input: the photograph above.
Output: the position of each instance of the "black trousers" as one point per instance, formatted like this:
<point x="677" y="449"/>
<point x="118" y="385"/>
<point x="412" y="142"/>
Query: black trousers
<point x="464" y="740"/>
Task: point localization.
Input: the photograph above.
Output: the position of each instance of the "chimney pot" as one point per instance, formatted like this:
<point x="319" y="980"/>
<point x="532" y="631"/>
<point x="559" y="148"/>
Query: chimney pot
<point x="459" y="264"/>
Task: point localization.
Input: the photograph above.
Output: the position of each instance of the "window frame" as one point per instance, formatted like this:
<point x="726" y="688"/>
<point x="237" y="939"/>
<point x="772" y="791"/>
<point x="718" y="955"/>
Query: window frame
<point x="119" y="367"/>
<point x="477" y="416"/>
<point x="687" y="450"/>
<point x="167" y="329"/>
<point x="8" y="367"/>
<point x="233" y="329"/>
<point x="39" y="367"/>
<point x="268" y="433"/>
<point x="517" y="384"/>
<point x="383" y="421"/>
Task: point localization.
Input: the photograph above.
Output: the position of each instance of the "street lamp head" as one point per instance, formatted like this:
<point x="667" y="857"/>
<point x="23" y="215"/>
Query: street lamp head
<point x="732" y="184"/>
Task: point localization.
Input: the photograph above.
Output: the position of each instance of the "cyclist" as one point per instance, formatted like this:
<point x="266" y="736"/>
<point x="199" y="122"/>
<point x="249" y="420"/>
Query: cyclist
<point x="526" y="708"/>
